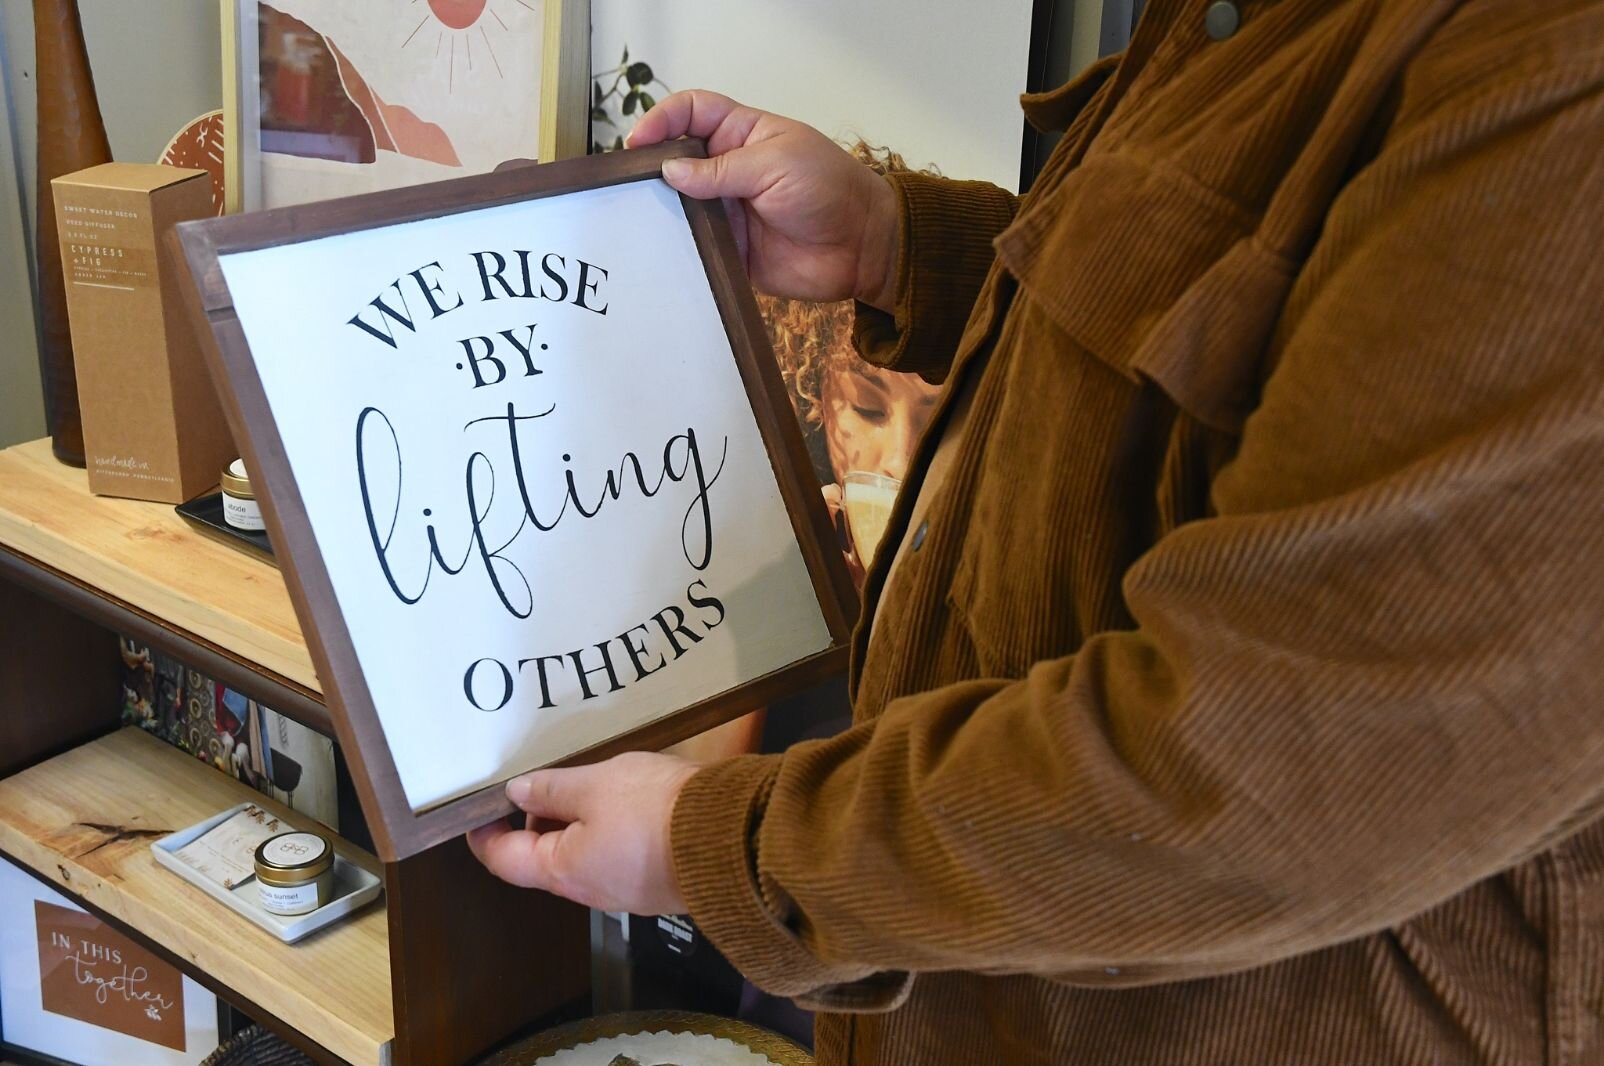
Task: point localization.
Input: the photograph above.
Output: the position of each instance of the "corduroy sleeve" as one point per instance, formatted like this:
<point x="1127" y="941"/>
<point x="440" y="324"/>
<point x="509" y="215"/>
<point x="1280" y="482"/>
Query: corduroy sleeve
<point x="945" y="253"/>
<point x="1369" y="681"/>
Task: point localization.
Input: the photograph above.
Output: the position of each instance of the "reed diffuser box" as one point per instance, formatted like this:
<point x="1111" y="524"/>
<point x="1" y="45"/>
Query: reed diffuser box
<point x="153" y="428"/>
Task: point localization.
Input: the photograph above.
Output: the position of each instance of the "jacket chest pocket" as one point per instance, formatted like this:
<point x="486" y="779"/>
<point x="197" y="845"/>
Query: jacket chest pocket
<point x="1159" y="277"/>
<point x="1134" y="355"/>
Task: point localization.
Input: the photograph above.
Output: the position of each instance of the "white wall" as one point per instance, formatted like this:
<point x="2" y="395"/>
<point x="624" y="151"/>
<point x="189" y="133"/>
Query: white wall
<point x="938" y="80"/>
<point x="156" y="65"/>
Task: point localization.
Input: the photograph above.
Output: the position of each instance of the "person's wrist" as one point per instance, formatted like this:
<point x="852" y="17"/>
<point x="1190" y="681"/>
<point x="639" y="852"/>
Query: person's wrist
<point x="880" y="249"/>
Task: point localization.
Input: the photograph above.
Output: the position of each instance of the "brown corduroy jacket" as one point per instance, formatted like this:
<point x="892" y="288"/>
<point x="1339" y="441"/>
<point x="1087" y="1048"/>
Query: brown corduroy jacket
<point x="1243" y="702"/>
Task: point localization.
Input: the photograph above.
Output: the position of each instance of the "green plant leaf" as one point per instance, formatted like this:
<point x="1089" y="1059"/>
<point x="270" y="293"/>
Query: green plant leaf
<point x="596" y="96"/>
<point x="639" y="74"/>
<point x="618" y="143"/>
<point x="631" y="99"/>
<point x="625" y="61"/>
<point x="599" y="114"/>
<point x="646" y="101"/>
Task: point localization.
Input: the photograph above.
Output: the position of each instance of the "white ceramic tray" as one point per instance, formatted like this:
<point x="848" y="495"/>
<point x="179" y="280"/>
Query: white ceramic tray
<point x="353" y="885"/>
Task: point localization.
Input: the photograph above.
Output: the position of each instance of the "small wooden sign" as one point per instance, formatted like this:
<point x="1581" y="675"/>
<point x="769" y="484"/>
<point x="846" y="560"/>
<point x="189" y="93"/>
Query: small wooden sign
<point x="529" y="468"/>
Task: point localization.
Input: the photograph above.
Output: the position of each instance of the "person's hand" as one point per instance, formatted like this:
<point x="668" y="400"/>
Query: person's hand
<point x="595" y="834"/>
<point x="812" y="223"/>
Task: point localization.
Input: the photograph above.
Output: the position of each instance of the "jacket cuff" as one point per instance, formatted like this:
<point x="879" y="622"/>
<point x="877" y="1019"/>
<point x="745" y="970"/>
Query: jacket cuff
<point x="946" y="232"/>
<point x="713" y="835"/>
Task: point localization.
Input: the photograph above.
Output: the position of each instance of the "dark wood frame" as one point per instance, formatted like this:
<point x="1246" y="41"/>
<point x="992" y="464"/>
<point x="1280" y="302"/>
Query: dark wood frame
<point x="398" y="831"/>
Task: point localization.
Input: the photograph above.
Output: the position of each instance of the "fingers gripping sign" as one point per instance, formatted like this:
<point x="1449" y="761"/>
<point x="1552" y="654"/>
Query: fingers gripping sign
<point x="812" y="222"/>
<point x="724" y="124"/>
<point x="598" y="835"/>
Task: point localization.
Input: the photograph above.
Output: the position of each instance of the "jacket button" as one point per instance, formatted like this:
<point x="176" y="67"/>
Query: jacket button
<point x="919" y="535"/>
<point x="1221" y="19"/>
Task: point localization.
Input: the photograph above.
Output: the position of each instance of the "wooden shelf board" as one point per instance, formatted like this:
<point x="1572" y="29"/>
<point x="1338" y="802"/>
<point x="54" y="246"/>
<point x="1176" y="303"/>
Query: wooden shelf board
<point x="145" y="555"/>
<point x="333" y="986"/>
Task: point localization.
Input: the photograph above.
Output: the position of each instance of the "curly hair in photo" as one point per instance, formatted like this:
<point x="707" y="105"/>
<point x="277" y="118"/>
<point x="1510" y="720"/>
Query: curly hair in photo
<point x="811" y="339"/>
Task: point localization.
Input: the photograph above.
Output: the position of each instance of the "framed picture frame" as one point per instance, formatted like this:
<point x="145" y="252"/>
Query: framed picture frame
<point x="608" y="369"/>
<point x="75" y="989"/>
<point x="327" y="100"/>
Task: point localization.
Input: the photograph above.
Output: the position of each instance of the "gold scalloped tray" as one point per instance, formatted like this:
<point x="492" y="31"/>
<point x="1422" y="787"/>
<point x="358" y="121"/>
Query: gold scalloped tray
<point x="654" y="1038"/>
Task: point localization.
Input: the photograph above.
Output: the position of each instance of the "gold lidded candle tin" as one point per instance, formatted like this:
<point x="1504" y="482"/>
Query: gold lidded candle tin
<point x="295" y="873"/>
<point x="240" y="508"/>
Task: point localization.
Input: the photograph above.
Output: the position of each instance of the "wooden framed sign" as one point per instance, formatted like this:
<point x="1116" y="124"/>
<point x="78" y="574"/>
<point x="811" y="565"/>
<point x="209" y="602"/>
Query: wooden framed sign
<point x="529" y="468"/>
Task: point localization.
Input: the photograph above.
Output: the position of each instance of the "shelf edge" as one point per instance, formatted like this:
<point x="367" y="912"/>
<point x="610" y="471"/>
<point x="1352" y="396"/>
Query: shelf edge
<point x="283" y="695"/>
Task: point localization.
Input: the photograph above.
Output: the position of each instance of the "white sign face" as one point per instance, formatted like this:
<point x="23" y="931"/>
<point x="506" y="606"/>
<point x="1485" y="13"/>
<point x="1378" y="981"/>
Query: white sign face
<point x="532" y="472"/>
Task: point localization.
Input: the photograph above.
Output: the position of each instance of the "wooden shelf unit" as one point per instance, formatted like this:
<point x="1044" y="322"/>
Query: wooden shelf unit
<point x="85" y="820"/>
<point x="464" y="961"/>
<point x="220" y="610"/>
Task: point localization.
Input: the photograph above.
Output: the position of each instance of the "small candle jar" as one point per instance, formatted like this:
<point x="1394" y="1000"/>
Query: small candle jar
<point x="295" y="873"/>
<point x="240" y="508"/>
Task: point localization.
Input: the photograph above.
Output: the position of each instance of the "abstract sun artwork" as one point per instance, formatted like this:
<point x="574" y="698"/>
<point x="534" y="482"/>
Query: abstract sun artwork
<point x="376" y="94"/>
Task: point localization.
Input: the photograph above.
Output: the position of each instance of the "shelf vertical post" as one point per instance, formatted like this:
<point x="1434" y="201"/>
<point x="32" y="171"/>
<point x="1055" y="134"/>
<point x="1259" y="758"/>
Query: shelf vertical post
<point x="474" y="960"/>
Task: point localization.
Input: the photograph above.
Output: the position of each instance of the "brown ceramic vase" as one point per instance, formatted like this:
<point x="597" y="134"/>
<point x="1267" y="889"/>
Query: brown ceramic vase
<point x="72" y="136"/>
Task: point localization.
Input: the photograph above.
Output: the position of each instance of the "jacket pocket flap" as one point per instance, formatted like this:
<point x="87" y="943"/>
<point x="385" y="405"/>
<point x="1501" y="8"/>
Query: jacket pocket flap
<point x="1157" y="276"/>
<point x="1208" y="350"/>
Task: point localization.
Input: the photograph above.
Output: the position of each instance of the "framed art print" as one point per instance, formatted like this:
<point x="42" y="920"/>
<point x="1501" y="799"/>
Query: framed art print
<point x="74" y="988"/>
<point x="333" y="100"/>
<point x="534" y="479"/>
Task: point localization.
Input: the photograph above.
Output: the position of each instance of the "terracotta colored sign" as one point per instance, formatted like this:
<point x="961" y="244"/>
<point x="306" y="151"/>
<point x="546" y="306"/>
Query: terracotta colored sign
<point x="90" y="972"/>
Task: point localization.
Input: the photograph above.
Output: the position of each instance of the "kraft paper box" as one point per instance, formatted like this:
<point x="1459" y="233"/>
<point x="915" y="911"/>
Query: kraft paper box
<point x="153" y="429"/>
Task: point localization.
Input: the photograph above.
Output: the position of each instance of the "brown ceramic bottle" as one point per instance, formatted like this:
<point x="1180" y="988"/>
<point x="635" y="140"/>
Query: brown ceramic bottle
<point x="71" y="137"/>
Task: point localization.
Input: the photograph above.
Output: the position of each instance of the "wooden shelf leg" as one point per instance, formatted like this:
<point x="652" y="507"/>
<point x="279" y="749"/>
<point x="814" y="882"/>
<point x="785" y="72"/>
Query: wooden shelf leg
<point x="473" y="960"/>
